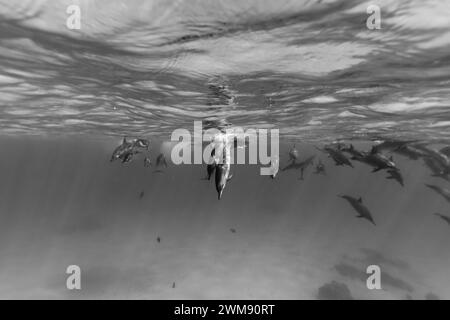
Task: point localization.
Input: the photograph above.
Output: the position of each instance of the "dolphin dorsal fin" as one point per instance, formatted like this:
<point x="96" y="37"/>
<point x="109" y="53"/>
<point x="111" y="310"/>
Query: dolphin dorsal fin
<point x="360" y="200"/>
<point x="391" y="158"/>
<point x="373" y="150"/>
<point x="124" y="140"/>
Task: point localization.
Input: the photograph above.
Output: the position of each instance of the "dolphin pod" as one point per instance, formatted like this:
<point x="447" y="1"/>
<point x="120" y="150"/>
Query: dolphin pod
<point x="379" y="157"/>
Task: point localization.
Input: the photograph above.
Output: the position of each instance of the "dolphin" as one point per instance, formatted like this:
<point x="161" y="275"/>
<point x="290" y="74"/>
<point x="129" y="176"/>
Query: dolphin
<point x="127" y="149"/>
<point x="274" y="167"/>
<point x="147" y="162"/>
<point x="222" y="175"/>
<point x="443" y="217"/>
<point x="378" y="160"/>
<point x="356" y="154"/>
<point x="338" y="156"/>
<point x="161" y="160"/>
<point x="410" y="151"/>
<point x="141" y="195"/>
<point x="436" y="169"/>
<point x="141" y="143"/>
<point x="128" y="155"/>
<point x="358" y="205"/>
<point x="119" y="152"/>
<point x="442" y="191"/>
<point x="210" y="170"/>
<point x="293" y="154"/>
<point x="300" y="165"/>
<point x="446" y="151"/>
<point x="320" y="168"/>
<point x="396" y="175"/>
<point x="439" y="157"/>
<point x="391" y="144"/>
<point x="211" y="166"/>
